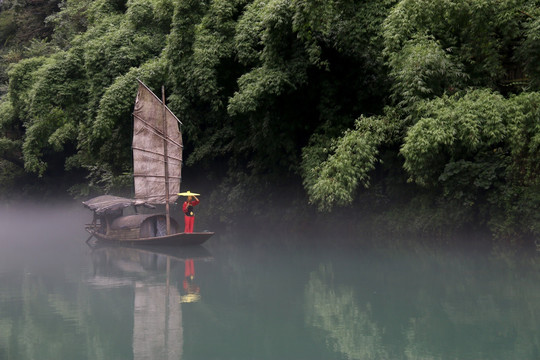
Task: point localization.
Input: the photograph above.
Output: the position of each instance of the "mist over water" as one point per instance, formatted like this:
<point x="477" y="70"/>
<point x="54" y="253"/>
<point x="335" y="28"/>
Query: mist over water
<point x="258" y="292"/>
<point x="31" y="232"/>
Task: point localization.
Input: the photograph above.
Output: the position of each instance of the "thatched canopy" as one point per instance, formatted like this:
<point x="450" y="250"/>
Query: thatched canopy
<point x="108" y="204"/>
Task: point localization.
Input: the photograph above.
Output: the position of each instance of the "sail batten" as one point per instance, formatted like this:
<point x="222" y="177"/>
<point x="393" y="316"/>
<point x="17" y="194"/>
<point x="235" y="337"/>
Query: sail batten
<point x="158" y="176"/>
<point x="154" y="156"/>
<point x="149" y="149"/>
<point x="158" y="132"/>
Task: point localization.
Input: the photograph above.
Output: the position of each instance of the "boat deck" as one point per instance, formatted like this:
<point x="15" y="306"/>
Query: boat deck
<point x="178" y="239"/>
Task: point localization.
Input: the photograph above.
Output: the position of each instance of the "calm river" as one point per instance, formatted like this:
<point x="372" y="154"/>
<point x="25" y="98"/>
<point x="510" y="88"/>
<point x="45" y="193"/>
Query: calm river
<point x="253" y="294"/>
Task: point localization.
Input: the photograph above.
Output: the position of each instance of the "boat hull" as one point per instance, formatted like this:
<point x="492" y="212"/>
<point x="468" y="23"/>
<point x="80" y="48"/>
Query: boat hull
<point x="178" y="239"/>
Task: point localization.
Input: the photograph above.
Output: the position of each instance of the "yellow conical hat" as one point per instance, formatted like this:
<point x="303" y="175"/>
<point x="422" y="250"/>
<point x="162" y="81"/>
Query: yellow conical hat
<point x="188" y="193"/>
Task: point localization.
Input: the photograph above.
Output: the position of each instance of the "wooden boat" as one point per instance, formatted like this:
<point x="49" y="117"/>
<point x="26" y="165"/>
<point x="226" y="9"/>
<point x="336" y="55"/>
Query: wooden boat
<point x="157" y="165"/>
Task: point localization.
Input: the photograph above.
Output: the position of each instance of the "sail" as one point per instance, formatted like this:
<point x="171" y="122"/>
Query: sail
<point x="150" y="142"/>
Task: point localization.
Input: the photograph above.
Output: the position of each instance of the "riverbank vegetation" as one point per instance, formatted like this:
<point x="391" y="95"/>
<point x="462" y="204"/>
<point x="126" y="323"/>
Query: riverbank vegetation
<point x="426" y="112"/>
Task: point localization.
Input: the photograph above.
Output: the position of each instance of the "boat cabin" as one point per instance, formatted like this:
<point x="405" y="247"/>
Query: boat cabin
<point x="140" y="226"/>
<point x="109" y="220"/>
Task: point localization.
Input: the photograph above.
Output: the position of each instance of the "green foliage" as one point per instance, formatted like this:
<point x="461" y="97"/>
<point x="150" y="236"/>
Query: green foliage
<point x="59" y="82"/>
<point x="114" y="52"/>
<point x="529" y="53"/>
<point x="22" y="21"/>
<point x="455" y="129"/>
<point x="352" y="28"/>
<point x="9" y="146"/>
<point x="140" y="13"/>
<point x="99" y="10"/>
<point x="423" y="70"/>
<point x="54" y="99"/>
<point x="21" y="76"/>
<point x="49" y="129"/>
<point x="332" y="175"/>
<point x="470" y="40"/>
<point x="70" y="21"/>
<point x="213" y="45"/>
<point x="101" y="178"/>
<point x="8" y="25"/>
<point x="467" y="144"/>
<point x="479" y="147"/>
<point x="261" y="83"/>
<point x="105" y="140"/>
<point x="9" y="176"/>
<point x="47" y="95"/>
<point x="23" y="33"/>
<point x="7" y="115"/>
<point x="245" y="74"/>
<point x="271" y="89"/>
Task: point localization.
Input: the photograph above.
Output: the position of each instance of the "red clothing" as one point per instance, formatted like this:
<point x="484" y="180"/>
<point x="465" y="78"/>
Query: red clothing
<point x="189" y="220"/>
<point x="192" y="203"/>
<point x="188" y="223"/>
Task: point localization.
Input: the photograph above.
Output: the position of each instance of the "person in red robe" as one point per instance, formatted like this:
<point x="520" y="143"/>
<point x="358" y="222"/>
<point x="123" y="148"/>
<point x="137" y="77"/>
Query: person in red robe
<point x="189" y="216"/>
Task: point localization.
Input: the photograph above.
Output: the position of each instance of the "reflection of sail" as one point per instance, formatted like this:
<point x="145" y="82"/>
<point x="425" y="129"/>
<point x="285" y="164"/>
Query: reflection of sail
<point x="350" y="329"/>
<point x="157" y="322"/>
<point x="157" y="311"/>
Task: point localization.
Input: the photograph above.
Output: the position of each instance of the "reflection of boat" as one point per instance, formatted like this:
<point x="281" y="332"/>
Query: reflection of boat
<point x="121" y="251"/>
<point x="158" y="332"/>
<point x="117" y="265"/>
<point x="157" y="163"/>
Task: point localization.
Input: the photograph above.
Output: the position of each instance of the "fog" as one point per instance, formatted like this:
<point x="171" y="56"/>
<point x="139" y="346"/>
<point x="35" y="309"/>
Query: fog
<point x="39" y="223"/>
<point x="309" y="287"/>
<point x="38" y="234"/>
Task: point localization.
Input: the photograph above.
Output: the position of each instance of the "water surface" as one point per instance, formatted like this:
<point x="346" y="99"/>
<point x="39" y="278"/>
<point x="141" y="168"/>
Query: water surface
<point x="256" y="294"/>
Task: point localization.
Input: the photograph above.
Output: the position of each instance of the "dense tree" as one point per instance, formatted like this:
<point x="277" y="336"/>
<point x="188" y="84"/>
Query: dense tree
<point x="456" y="67"/>
<point x="250" y="80"/>
<point x="433" y="98"/>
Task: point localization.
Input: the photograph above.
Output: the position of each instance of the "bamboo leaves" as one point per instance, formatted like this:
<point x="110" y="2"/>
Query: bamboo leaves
<point x="333" y="176"/>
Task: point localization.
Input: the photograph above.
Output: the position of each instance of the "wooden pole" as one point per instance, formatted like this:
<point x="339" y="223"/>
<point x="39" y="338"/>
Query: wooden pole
<point x="166" y="162"/>
<point x="166" y="344"/>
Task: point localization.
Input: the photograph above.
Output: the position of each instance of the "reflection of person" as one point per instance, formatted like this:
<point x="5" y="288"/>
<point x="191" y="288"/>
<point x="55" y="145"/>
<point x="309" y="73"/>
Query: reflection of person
<point x="189" y="216"/>
<point x="192" y="290"/>
<point x="189" y="271"/>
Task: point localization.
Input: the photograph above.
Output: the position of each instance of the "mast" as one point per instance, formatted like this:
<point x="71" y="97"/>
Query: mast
<point x="166" y="162"/>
